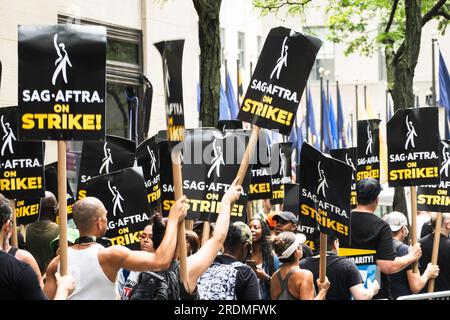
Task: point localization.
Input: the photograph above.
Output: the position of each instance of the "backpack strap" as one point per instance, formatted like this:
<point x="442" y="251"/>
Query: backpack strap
<point x="13" y="250"/>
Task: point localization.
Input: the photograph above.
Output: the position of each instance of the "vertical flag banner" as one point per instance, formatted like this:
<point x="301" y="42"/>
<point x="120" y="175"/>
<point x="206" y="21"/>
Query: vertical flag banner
<point x="435" y="198"/>
<point x="326" y="125"/>
<point x="211" y="160"/>
<point x="413" y="147"/>
<point x="62" y="82"/>
<point x="333" y="124"/>
<point x="21" y="163"/>
<point x="97" y="158"/>
<point x="231" y="98"/>
<point x="277" y="84"/>
<point x="280" y="166"/>
<point x="124" y="196"/>
<point x="368" y="149"/>
<point x="147" y="156"/>
<point x="172" y="59"/>
<point x="312" y="121"/>
<point x="325" y="185"/>
<point x="444" y="92"/>
<point x="349" y="156"/>
<point x="224" y="109"/>
<point x="340" y="122"/>
<point x="261" y="174"/>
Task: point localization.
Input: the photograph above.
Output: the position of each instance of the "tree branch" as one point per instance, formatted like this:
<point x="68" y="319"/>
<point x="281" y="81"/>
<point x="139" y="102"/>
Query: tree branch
<point x="444" y="14"/>
<point x="433" y="12"/>
<point x="282" y="4"/>
<point x="391" y="17"/>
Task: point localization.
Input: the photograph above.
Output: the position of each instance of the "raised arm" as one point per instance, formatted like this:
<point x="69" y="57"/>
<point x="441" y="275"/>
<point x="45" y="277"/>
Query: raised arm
<point x="200" y="261"/>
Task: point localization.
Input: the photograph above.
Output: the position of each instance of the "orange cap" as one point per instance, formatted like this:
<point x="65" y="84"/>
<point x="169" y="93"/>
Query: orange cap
<point x="270" y="220"/>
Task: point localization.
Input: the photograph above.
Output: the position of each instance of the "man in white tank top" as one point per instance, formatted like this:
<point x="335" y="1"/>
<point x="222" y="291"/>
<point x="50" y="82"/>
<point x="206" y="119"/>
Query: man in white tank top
<point x="95" y="267"/>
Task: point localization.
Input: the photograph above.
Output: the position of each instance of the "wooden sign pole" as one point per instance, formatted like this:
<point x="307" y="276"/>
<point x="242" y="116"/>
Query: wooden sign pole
<point x="323" y="257"/>
<point x="62" y="203"/>
<point x="435" y="252"/>
<point x="181" y="236"/>
<point x="14" y="241"/>
<point x="413" y="231"/>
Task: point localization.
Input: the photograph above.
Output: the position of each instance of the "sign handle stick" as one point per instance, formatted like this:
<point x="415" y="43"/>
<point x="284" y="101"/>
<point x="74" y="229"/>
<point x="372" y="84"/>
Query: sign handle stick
<point x="189" y="224"/>
<point x="206" y="232"/>
<point x="323" y="257"/>
<point x="14" y="241"/>
<point x="62" y="202"/>
<point x="250" y="210"/>
<point x="414" y="222"/>
<point x="435" y="252"/>
<point x="248" y="152"/>
<point x="181" y="237"/>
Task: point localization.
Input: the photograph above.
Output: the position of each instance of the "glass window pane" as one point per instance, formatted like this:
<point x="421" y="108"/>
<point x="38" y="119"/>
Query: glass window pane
<point x="117" y="109"/>
<point x="122" y="51"/>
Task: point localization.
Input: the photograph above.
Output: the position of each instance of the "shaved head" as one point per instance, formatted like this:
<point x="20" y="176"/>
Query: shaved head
<point x="48" y="206"/>
<point x="86" y="212"/>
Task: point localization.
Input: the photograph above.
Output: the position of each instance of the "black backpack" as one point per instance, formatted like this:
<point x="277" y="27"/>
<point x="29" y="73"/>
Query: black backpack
<point x="163" y="285"/>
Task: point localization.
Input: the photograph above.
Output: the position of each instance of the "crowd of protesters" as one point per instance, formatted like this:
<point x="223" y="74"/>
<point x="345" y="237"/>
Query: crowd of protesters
<point x="267" y="258"/>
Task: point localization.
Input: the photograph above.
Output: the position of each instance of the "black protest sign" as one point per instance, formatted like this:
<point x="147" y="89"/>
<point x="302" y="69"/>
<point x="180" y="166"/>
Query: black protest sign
<point x="223" y="125"/>
<point x="124" y="197"/>
<point x="172" y="58"/>
<point x="51" y="184"/>
<point x="435" y="198"/>
<point x="368" y="149"/>
<point x="147" y="155"/>
<point x="325" y="192"/>
<point x="277" y="84"/>
<point x="166" y="176"/>
<point x="21" y="163"/>
<point x="261" y="175"/>
<point x="291" y="198"/>
<point x="413" y="147"/>
<point x="211" y="161"/>
<point x="97" y="158"/>
<point x="62" y="82"/>
<point x="280" y="166"/>
<point x="27" y="211"/>
<point x="349" y="157"/>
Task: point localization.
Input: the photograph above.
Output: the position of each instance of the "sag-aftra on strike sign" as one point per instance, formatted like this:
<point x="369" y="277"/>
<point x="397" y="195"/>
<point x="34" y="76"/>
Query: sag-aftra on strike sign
<point x="62" y="82"/>
<point x="272" y="99"/>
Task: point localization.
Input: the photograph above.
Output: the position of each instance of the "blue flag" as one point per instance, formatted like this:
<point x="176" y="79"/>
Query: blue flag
<point x="312" y="121"/>
<point x="231" y="98"/>
<point x="333" y="126"/>
<point x="224" y="110"/>
<point x="327" y="140"/>
<point x="340" y="122"/>
<point x="444" y="91"/>
<point x="198" y="98"/>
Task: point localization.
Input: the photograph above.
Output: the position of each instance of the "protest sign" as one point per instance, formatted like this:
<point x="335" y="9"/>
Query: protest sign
<point x="62" y="72"/>
<point x="211" y="160"/>
<point x="277" y="83"/>
<point x="413" y="147"/>
<point x="435" y="198"/>
<point x="348" y="156"/>
<point x="97" y="158"/>
<point x="368" y="149"/>
<point x="261" y="175"/>
<point x="27" y="211"/>
<point x="147" y="156"/>
<point x="280" y="166"/>
<point x="21" y="163"/>
<point x="291" y="198"/>
<point x="124" y="197"/>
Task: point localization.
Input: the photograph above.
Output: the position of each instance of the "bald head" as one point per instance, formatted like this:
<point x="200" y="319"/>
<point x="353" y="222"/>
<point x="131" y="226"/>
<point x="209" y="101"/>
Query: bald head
<point x="48" y="207"/>
<point x="86" y="212"/>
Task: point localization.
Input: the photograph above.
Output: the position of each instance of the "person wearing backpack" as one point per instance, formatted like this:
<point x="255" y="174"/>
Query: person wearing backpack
<point x="228" y="278"/>
<point x="345" y="279"/>
<point x="167" y="285"/>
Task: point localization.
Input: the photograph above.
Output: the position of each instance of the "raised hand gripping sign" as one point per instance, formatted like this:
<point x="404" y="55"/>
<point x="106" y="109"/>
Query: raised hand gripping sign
<point x="62" y="82"/>
<point x="413" y="147"/>
<point x="277" y="84"/>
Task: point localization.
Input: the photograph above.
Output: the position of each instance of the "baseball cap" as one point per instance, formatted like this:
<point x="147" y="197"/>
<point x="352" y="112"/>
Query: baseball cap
<point x="246" y="233"/>
<point x="368" y="188"/>
<point x="396" y="220"/>
<point x="270" y="221"/>
<point x="285" y="215"/>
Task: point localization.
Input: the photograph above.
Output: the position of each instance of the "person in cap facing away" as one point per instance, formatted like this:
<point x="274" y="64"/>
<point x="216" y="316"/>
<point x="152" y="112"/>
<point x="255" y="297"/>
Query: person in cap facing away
<point x="406" y="282"/>
<point x="291" y="282"/>
<point x="287" y="221"/>
<point x="372" y="233"/>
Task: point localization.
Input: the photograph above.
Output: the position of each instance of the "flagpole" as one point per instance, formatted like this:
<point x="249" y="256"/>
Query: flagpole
<point x="338" y="116"/>
<point x="237" y="77"/>
<point x="365" y="94"/>
<point x="321" y="70"/>
<point x="354" y="127"/>
<point x="433" y="71"/>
